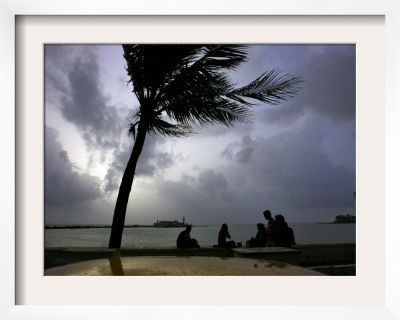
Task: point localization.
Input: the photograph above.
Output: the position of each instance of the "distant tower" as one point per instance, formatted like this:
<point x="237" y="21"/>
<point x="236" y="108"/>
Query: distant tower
<point x="183" y="220"/>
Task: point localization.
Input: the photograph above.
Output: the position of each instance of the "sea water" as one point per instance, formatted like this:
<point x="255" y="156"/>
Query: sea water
<point x="205" y="235"/>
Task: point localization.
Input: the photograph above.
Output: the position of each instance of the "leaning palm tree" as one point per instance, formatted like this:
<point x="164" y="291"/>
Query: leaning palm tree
<point x="182" y="86"/>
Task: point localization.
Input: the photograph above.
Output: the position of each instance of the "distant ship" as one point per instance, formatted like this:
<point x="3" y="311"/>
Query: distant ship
<point x="170" y="224"/>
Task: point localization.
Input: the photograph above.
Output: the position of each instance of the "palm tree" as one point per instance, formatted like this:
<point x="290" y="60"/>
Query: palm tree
<point x="180" y="86"/>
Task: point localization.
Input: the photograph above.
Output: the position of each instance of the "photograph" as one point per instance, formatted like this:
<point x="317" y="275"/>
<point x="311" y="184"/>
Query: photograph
<point x="169" y="161"/>
<point x="210" y="159"/>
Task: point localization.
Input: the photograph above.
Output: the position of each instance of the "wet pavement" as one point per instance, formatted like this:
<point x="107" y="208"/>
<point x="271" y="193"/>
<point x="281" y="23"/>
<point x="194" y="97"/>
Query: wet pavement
<point x="180" y="266"/>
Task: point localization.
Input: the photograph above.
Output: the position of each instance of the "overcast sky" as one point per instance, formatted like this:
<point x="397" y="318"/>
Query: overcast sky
<point x="296" y="159"/>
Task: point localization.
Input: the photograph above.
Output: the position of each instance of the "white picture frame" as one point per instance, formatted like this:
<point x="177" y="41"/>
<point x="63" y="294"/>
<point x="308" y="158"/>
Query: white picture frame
<point x="9" y="177"/>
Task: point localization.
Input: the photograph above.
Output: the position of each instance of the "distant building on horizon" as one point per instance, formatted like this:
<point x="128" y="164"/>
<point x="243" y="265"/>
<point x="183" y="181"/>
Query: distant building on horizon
<point x="345" y="219"/>
<point x="170" y="224"/>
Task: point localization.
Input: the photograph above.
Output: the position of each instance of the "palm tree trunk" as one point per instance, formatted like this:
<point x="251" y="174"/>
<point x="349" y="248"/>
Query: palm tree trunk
<point x="125" y="189"/>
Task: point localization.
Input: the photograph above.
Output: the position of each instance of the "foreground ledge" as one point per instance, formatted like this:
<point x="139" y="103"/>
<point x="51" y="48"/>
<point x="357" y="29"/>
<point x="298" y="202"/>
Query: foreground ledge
<point x="64" y="255"/>
<point x="270" y="253"/>
<point x="180" y="266"/>
<point x="329" y="258"/>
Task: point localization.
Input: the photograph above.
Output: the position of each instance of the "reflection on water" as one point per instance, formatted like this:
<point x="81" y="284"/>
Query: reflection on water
<point x="116" y="266"/>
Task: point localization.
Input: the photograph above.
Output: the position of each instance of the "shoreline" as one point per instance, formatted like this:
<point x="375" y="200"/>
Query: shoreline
<point x="57" y="227"/>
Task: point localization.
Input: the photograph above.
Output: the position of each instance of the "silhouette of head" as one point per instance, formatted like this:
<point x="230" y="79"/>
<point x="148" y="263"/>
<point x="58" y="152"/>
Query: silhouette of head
<point x="224" y="227"/>
<point x="260" y="226"/>
<point x="267" y="214"/>
<point x="279" y="218"/>
<point x="188" y="228"/>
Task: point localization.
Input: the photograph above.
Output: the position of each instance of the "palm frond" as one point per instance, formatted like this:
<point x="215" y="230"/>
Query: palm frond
<point x="198" y="98"/>
<point x="158" y="125"/>
<point x="132" y="129"/>
<point x="204" y="62"/>
<point x="223" y="56"/>
<point x="168" y="129"/>
<point x="207" y="111"/>
<point x="271" y="88"/>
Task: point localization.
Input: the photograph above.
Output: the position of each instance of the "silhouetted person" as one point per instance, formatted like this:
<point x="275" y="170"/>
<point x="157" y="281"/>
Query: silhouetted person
<point x="185" y="241"/>
<point x="285" y="236"/>
<point x="261" y="237"/>
<point x="222" y="235"/>
<point x="271" y="229"/>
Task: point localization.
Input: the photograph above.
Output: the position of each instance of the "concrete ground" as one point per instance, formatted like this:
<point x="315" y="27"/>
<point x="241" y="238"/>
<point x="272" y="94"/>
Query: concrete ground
<point x="179" y="266"/>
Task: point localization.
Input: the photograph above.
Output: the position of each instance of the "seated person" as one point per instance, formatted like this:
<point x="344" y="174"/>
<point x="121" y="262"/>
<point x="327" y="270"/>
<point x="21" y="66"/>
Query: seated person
<point x="185" y="241"/>
<point x="261" y="237"/>
<point x="222" y="235"/>
<point x="285" y="236"/>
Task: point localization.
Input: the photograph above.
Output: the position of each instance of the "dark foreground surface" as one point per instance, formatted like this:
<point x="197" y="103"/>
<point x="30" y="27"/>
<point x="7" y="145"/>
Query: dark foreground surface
<point x="180" y="266"/>
<point x="330" y="259"/>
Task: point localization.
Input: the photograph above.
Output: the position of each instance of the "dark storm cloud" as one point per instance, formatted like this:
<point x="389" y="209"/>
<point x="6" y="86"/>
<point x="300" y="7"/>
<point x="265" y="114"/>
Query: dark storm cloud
<point x="287" y="172"/>
<point x="154" y="157"/>
<point x="93" y="212"/>
<point x="329" y="80"/>
<point x="87" y="107"/>
<point x="331" y="74"/>
<point x="246" y="148"/>
<point x="214" y="185"/>
<point x="63" y="184"/>
<point x="291" y="167"/>
<point x="328" y="89"/>
<point x="56" y="82"/>
<point x="202" y="199"/>
<point x="73" y="86"/>
<point x="182" y="192"/>
<point x="209" y="185"/>
<point x="116" y="167"/>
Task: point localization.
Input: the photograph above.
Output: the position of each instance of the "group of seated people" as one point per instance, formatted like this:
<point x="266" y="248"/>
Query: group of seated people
<point x="277" y="234"/>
